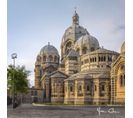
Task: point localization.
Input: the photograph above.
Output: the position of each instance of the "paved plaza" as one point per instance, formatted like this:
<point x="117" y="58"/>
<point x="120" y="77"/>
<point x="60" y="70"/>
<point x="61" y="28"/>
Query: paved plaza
<point x="30" y="111"/>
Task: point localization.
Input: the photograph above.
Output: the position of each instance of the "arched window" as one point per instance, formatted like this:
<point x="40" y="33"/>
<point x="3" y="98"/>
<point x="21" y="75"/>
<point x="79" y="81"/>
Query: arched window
<point x="87" y="88"/>
<point x="103" y="87"/>
<point x="44" y="58"/>
<point x="68" y="47"/>
<point x="92" y="49"/>
<point x="109" y="87"/>
<point x="84" y="50"/>
<point x="122" y="80"/>
<point x="95" y="88"/>
<point x="50" y="58"/>
<point x="109" y="58"/>
<point x="80" y="88"/>
<point x="80" y="92"/>
<point x="95" y="59"/>
<point x="122" y="67"/>
<point x="104" y="58"/>
<point x="90" y="60"/>
<point x="58" y="59"/>
<point x="71" y="88"/>
<point x="55" y="59"/>
<point x="77" y="50"/>
<point x="35" y="93"/>
<point x="99" y="58"/>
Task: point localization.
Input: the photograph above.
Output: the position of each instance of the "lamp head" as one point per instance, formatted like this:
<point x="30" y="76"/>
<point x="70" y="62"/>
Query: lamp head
<point x="14" y="55"/>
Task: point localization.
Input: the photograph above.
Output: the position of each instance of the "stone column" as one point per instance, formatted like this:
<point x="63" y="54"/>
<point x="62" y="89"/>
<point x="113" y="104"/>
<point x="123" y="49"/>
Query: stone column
<point x="96" y="92"/>
<point x="47" y="90"/>
<point x="75" y="91"/>
<point x="113" y="89"/>
<point x="66" y="92"/>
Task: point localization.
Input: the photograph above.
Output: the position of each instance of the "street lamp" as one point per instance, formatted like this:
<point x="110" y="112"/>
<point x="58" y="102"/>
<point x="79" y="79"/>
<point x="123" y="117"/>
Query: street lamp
<point x="14" y="56"/>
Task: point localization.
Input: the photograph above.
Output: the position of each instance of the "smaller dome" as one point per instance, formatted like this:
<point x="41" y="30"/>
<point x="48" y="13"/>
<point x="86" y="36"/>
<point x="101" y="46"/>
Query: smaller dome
<point x="123" y="47"/>
<point x="49" y="56"/>
<point x="88" y="41"/>
<point x="49" y="49"/>
<point x="95" y="41"/>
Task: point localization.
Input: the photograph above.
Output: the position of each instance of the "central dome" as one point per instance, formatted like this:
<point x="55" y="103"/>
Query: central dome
<point x="78" y="38"/>
<point x="75" y="31"/>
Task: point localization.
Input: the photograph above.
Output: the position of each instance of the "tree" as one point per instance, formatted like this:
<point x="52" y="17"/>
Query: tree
<point x="17" y="77"/>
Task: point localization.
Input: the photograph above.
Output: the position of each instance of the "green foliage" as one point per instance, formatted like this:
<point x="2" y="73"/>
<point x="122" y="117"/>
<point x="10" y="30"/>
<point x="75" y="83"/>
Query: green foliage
<point x="18" y="77"/>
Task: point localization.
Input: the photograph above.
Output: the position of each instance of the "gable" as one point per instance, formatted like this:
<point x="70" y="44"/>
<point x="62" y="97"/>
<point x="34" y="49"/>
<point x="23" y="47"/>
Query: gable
<point x="58" y="74"/>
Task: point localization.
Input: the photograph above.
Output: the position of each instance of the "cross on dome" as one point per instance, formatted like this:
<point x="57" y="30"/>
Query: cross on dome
<point x="48" y="43"/>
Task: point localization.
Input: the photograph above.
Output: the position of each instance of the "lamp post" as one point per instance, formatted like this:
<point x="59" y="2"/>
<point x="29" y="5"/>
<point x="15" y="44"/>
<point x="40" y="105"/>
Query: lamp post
<point x="14" y="56"/>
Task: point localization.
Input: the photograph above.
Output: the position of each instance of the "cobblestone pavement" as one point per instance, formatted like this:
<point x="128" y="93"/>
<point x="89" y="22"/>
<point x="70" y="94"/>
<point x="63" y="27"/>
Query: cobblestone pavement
<point x="29" y="111"/>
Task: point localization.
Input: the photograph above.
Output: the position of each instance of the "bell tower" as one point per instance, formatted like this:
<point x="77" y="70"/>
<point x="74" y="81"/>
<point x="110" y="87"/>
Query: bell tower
<point x="75" y="18"/>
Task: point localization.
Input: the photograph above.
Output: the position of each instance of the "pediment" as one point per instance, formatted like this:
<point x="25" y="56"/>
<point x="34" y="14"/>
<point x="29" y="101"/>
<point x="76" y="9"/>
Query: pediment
<point x="58" y="74"/>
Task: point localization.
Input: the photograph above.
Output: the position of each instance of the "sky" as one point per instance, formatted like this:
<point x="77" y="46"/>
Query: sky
<point x="31" y="24"/>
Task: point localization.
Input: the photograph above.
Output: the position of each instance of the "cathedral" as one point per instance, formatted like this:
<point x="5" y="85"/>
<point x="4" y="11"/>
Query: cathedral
<point x="84" y="73"/>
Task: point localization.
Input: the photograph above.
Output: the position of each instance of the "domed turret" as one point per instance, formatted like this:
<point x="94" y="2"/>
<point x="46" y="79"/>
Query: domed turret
<point x="48" y="55"/>
<point x="47" y="58"/>
<point x="49" y="49"/>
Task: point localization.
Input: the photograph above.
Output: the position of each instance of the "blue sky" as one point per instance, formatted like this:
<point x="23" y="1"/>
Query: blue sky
<point x="34" y="23"/>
